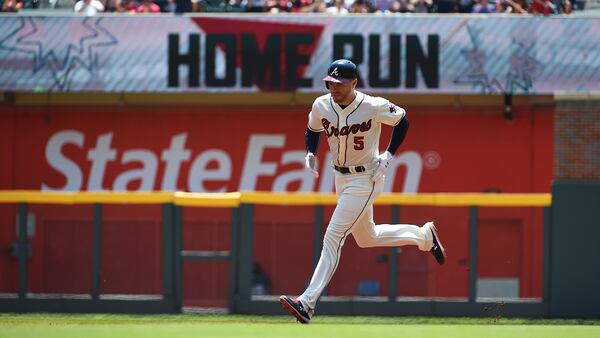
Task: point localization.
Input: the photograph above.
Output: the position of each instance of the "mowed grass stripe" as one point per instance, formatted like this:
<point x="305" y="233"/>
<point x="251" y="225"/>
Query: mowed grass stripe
<point x="63" y="318"/>
<point x="192" y="325"/>
<point x="258" y="330"/>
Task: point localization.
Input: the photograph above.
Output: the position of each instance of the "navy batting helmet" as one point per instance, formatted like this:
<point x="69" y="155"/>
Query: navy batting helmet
<point x="341" y="71"/>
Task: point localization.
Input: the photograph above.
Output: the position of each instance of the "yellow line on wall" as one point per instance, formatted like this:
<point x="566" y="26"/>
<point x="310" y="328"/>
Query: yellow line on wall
<point x="234" y="199"/>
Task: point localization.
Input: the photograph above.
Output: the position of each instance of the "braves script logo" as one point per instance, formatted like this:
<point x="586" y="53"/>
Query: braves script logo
<point x="334" y="72"/>
<point x="346" y="130"/>
<point x="56" y="47"/>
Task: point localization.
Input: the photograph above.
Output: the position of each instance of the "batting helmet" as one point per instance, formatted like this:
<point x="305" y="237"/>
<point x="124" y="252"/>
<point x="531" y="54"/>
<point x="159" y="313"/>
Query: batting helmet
<point x="341" y="71"/>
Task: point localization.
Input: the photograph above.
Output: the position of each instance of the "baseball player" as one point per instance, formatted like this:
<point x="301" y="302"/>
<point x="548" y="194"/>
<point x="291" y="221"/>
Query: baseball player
<point x="352" y="123"/>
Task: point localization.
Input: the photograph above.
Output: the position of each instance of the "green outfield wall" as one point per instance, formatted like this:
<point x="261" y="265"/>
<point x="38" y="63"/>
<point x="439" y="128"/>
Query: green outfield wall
<point x="575" y="254"/>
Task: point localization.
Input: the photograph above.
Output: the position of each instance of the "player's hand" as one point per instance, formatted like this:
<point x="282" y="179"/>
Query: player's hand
<point x="383" y="161"/>
<point x="311" y="164"/>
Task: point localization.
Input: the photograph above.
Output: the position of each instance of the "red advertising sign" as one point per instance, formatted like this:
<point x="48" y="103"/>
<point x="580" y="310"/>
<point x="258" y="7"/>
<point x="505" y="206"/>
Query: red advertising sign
<point x="204" y="150"/>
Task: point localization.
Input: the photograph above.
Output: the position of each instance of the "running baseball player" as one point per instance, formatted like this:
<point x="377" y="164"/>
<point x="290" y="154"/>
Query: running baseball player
<point x="352" y="123"/>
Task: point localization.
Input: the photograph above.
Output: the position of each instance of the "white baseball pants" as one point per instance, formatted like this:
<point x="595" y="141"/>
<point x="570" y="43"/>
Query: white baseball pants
<point x="354" y="214"/>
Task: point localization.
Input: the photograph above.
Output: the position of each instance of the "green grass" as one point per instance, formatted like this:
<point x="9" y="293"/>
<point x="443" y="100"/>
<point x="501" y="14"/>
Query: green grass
<point x="192" y="325"/>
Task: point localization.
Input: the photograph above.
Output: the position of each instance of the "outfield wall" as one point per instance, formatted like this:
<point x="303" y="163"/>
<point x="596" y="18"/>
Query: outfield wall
<point x="200" y="148"/>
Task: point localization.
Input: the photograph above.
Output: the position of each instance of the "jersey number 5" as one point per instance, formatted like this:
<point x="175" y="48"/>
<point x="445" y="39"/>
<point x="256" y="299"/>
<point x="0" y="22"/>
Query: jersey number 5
<point x="359" y="142"/>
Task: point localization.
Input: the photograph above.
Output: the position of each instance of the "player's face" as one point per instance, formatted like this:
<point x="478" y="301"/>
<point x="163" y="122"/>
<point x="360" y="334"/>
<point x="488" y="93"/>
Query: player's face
<point x="342" y="93"/>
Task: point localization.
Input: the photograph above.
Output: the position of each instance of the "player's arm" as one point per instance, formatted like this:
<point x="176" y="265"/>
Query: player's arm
<point x="311" y="139"/>
<point x="384" y="160"/>
<point x="392" y="115"/>
<point x="398" y="135"/>
<point x="312" y="143"/>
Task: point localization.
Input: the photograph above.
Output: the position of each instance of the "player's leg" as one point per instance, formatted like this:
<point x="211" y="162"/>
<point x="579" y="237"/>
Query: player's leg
<point x="368" y="234"/>
<point x="352" y="203"/>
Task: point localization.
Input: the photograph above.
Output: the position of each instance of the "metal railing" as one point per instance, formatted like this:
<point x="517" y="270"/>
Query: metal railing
<point x="240" y="254"/>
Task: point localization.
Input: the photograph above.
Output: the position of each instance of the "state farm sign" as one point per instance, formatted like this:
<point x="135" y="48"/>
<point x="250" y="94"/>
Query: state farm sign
<point x="208" y="170"/>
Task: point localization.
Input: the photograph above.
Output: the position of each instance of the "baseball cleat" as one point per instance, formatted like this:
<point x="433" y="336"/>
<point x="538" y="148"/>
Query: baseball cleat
<point x="437" y="250"/>
<point x="295" y="307"/>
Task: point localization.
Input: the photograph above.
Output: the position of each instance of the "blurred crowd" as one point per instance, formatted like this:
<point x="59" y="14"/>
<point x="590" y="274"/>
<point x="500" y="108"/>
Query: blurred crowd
<point x="93" y="7"/>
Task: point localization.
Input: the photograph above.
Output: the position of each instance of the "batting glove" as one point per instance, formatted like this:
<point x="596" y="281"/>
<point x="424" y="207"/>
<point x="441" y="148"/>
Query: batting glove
<point x="311" y="164"/>
<point x="383" y="161"/>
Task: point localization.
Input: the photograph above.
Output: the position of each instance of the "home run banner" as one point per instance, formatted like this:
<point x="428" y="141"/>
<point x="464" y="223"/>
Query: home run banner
<point x="255" y="53"/>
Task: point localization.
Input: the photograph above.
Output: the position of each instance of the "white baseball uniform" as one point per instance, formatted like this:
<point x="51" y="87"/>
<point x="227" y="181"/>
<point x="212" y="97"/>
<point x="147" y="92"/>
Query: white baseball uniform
<point x="353" y="135"/>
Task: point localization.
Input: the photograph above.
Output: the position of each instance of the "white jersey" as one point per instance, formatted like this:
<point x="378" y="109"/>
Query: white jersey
<point x="353" y="132"/>
<point x="353" y="136"/>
